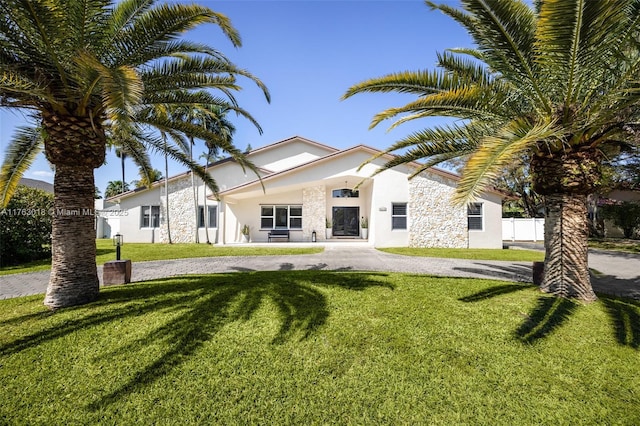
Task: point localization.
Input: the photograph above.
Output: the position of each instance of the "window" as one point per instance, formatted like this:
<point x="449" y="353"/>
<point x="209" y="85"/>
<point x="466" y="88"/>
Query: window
<point x="474" y="216"/>
<point x="149" y="216"/>
<point x="287" y="217"/>
<point x="399" y="216"/>
<point x="211" y="215"/>
<point x="345" y="193"/>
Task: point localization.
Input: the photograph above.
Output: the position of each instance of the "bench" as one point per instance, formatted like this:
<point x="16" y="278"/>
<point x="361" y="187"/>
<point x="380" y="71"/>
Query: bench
<point x="278" y="234"/>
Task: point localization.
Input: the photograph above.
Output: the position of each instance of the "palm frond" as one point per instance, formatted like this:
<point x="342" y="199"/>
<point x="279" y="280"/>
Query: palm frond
<point x="121" y="87"/>
<point x="505" y="32"/>
<point x="433" y="146"/>
<point x="497" y="152"/>
<point x="464" y="102"/>
<point x="420" y="83"/>
<point x="22" y="150"/>
<point x="156" y="26"/>
<point x="158" y="144"/>
<point x="470" y="70"/>
<point x="575" y="42"/>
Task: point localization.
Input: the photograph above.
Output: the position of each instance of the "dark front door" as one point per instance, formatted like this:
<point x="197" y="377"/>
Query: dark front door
<point x="346" y="221"/>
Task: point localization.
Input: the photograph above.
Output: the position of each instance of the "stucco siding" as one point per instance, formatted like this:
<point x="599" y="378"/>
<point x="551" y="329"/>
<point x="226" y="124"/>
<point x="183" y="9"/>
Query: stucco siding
<point x="286" y="155"/>
<point x="491" y="234"/>
<point x="389" y="187"/>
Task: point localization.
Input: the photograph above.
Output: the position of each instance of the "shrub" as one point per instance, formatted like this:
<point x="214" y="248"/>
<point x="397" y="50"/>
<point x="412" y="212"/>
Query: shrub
<point x="625" y="215"/>
<point x="25" y="227"/>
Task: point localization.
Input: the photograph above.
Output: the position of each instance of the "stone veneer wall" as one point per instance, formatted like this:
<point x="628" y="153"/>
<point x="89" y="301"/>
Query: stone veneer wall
<point x="314" y="200"/>
<point x="433" y="220"/>
<point x="181" y="212"/>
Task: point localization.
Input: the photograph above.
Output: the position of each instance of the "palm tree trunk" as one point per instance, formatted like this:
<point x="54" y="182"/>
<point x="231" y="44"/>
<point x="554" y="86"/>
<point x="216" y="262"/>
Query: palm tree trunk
<point x="206" y="212"/>
<point x="76" y="146"/>
<point x="166" y="187"/>
<point x="74" y="276"/>
<point x="195" y="194"/>
<point x="565" y="178"/>
<point x="566" y="271"/>
<point x="122" y="157"/>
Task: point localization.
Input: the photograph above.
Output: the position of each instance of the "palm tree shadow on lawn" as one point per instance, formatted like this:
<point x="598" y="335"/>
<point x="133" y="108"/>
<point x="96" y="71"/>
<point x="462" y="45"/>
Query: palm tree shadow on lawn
<point x="200" y="306"/>
<point x="551" y="313"/>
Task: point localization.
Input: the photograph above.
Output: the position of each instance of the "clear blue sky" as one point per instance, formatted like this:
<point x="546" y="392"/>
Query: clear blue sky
<point x="308" y="53"/>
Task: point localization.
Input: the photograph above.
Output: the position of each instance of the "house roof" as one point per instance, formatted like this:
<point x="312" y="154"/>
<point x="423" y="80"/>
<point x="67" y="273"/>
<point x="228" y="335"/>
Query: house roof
<point x="261" y="150"/>
<point x="333" y="156"/>
<point x="333" y="153"/>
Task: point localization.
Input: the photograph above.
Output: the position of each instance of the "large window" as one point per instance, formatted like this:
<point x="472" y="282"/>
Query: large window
<point x="399" y="216"/>
<point x="474" y="216"/>
<point x="211" y="216"/>
<point x="345" y="193"/>
<point x="149" y="216"/>
<point x="281" y="216"/>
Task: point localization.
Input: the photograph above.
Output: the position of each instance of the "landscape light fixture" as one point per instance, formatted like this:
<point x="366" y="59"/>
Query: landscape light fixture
<point x="118" y="241"/>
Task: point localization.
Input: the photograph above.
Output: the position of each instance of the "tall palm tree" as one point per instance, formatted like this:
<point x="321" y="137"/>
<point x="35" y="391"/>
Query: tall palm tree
<point x="556" y="82"/>
<point x="211" y="118"/>
<point x="90" y="69"/>
<point x="122" y="156"/>
<point x="217" y="123"/>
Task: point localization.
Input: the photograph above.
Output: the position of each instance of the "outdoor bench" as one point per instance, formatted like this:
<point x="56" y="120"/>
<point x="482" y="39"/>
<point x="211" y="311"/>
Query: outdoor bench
<point x="278" y="233"/>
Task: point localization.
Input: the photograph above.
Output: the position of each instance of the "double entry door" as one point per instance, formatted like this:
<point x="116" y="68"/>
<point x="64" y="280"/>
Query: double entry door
<point x="346" y="222"/>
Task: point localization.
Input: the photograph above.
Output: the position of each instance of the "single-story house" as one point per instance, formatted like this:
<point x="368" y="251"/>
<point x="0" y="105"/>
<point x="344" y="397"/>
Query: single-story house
<point x="303" y="186"/>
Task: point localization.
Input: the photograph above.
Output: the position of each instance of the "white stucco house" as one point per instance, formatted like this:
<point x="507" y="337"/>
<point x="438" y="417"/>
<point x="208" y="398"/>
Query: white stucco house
<point x="305" y="183"/>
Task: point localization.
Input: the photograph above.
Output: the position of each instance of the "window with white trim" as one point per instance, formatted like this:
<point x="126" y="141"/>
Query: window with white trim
<point x="149" y="216"/>
<point x="399" y="216"/>
<point x="281" y="217"/>
<point x="475" y="216"/>
<point x="212" y="216"/>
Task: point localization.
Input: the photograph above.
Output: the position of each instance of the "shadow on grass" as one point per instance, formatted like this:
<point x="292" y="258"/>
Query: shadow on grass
<point x="548" y="315"/>
<point x="625" y="314"/>
<point x="551" y="313"/>
<point x="511" y="272"/>
<point x="200" y="305"/>
<point x="494" y="291"/>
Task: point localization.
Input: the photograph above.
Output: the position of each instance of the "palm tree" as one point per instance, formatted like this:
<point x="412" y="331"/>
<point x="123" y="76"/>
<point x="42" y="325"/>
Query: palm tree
<point x="217" y="123"/>
<point x="115" y="187"/>
<point x="166" y="186"/>
<point x="147" y="179"/>
<point x="94" y="70"/>
<point x="556" y="82"/>
<point x="122" y="156"/>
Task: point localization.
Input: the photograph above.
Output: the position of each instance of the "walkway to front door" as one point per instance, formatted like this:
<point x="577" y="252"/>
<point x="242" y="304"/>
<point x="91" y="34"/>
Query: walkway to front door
<point x="346" y="222"/>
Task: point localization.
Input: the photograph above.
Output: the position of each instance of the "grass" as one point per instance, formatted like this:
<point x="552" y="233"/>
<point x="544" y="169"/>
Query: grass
<point x="616" y="244"/>
<point x="471" y="254"/>
<point x="317" y="347"/>
<point x="140" y="252"/>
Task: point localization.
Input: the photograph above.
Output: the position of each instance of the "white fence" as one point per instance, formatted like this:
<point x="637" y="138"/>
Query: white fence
<point x="522" y="229"/>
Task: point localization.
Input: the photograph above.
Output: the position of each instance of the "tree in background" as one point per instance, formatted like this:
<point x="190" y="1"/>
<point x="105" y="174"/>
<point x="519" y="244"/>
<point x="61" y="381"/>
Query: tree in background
<point x="115" y="187"/>
<point x="556" y="83"/>
<point x="25" y="226"/>
<point x="625" y="215"/>
<point x="96" y="70"/>
<point x="146" y="180"/>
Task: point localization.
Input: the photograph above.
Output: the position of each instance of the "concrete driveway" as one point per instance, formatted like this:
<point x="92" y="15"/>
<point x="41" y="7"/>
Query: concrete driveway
<point x="619" y="273"/>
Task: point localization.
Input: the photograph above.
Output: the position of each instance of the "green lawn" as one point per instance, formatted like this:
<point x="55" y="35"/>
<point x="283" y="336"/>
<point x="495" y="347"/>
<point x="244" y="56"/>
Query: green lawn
<point x="317" y="347"/>
<point x="513" y="255"/>
<point x="616" y="244"/>
<point x="139" y="252"/>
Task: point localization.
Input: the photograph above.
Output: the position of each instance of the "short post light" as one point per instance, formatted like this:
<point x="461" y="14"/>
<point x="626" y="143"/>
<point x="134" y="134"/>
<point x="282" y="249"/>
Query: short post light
<point x="313" y="237"/>
<point x="118" y="241"/>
